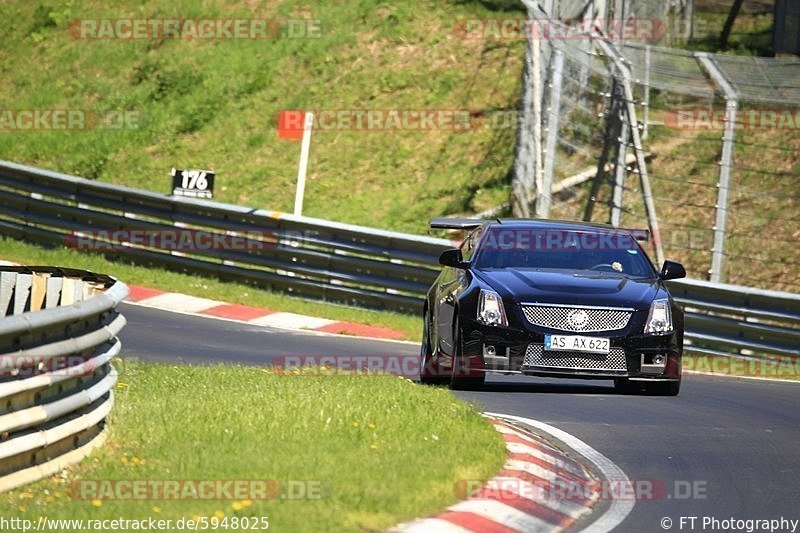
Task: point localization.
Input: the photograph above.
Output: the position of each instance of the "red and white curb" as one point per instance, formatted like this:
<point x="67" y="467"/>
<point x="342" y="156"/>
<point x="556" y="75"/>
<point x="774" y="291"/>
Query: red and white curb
<point x="193" y="305"/>
<point x="508" y="502"/>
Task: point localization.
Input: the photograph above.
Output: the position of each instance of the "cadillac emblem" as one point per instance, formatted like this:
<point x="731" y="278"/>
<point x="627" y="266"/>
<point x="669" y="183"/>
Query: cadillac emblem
<point x="578" y="319"/>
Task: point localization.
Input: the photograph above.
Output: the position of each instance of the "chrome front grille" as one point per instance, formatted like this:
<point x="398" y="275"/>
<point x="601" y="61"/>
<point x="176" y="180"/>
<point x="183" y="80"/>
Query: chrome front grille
<point x="577" y="319"/>
<point x="535" y="355"/>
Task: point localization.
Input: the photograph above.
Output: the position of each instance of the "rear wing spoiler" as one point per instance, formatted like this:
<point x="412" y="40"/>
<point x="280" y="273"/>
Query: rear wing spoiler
<point x="641" y="234"/>
<point x="455" y="223"/>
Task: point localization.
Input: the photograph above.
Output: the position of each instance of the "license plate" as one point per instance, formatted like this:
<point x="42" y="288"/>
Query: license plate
<point x="576" y="343"/>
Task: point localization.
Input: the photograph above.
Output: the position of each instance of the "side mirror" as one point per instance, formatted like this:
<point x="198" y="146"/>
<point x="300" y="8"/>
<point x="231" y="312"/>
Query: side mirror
<point x="452" y="258"/>
<point x="672" y="270"/>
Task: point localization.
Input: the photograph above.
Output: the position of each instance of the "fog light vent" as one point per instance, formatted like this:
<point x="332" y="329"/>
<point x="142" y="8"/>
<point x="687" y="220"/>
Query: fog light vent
<point x="653" y="363"/>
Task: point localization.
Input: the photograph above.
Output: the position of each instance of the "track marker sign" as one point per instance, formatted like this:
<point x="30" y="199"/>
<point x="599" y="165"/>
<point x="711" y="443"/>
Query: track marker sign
<point x="297" y="125"/>
<point x="193" y="183"/>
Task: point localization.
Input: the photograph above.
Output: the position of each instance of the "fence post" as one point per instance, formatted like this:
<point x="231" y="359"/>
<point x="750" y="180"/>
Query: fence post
<point x="538" y="169"/>
<point x="548" y="8"/>
<point x="600" y="9"/>
<point x="620" y="169"/>
<point x="725" y="165"/>
<point x="641" y="165"/>
<point x="611" y="135"/>
<point x="543" y="209"/>
<point x="630" y="106"/>
<point x="646" y="84"/>
<point x="522" y="185"/>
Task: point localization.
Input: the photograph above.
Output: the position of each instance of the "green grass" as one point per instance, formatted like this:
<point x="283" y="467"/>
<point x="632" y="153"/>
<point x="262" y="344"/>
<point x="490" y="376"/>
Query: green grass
<point x="383" y="449"/>
<point x="761" y="227"/>
<point x="751" y="33"/>
<point x="19" y="252"/>
<point x="213" y="104"/>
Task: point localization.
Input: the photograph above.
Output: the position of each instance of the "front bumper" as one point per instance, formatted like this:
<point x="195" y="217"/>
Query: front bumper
<point x="515" y="350"/>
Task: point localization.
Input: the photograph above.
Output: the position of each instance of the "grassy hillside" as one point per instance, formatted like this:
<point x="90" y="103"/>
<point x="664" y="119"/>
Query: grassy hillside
<point x="213" y="103"/>
<point x="762" y="225"/>
<point x="751" y="33"/>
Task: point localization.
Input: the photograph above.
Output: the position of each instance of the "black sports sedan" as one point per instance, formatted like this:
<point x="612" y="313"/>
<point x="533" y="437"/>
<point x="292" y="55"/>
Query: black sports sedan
<point x="551" y="298"/>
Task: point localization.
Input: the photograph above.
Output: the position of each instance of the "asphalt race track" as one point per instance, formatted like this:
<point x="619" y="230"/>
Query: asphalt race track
<point x="736" y="441"/>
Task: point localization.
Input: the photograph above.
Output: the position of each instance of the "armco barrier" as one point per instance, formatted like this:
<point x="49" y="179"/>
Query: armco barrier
<point x="304" y="256"/>
<point x="724" y="319"/>
<point x="320" y="259"/>
<point x="58" y="334"/>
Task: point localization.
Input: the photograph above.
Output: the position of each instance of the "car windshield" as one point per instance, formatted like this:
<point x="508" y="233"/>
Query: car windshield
<point x="610" y="251"/>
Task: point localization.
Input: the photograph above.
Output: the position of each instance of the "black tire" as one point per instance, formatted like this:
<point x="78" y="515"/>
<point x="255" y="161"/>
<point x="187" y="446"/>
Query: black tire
<point x="458" y="382"/>
<point x="425" y="353"/>
<point x="660" y="388"/>
<point x="467" y="382"/>
<point x="623" y="386"/>
<point x="668" y="388"/>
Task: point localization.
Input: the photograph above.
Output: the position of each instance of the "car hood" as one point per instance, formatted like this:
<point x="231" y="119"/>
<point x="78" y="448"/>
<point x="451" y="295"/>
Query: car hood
<point x="579" y="288"/>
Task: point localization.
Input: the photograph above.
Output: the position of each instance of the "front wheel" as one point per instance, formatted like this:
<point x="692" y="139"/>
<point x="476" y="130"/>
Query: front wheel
<point x="461" y="379"/>
<point x="623" y="385"/>
<point x="467" y="382"/>
<point x="428" y="373"/>
<point x="658" y="388"/>
<point x="668" y="388"/>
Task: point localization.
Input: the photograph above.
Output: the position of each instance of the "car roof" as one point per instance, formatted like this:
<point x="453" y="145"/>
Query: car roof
<point x="534" y="223"/>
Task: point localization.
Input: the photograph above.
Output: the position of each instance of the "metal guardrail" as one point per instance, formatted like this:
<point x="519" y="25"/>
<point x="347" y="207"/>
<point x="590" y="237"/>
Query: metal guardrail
<point x="300" y="255"/>
<point x="58" y="335"/>
<point x="724" y="319"/>
<point x="327" y="260"/>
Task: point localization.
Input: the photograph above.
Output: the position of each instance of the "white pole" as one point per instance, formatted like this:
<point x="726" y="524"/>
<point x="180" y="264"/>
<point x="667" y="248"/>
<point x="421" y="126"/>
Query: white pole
<point x="308" y="121"/>
<point x="538" y="168"/>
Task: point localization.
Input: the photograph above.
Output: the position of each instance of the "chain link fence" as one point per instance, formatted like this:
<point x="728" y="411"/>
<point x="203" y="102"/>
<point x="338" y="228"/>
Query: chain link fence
<point x="715" y="172"/>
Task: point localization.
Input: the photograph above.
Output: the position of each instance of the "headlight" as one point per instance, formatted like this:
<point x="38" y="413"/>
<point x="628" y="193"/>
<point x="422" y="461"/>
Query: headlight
<point x="490" y="309"/>
<point x="659" y="320"/>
